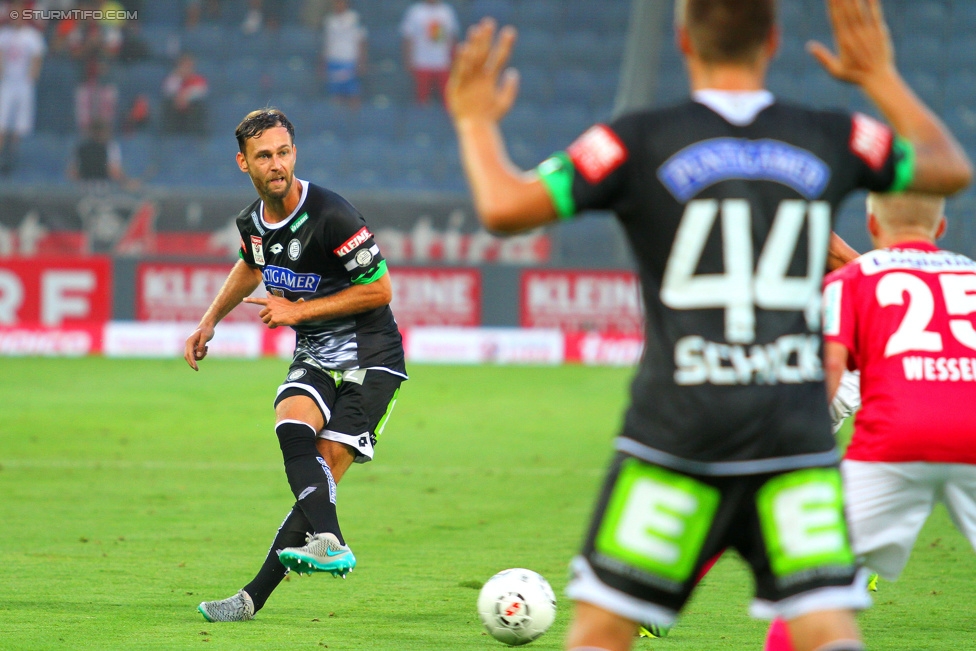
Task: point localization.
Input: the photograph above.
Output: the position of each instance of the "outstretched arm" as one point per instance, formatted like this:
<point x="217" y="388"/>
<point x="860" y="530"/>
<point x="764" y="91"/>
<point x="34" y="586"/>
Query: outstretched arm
<point x="242" y="280"/>
<point x="356" y="299"/>
<point x="865" y="57"/>
<point x="839" y="252"/>
<point x="479" y="94"/>
<point x="835" y="363"/>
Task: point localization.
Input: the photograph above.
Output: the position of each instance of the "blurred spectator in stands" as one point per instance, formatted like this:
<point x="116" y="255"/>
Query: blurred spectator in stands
<point x="96" y="98"/>
<point x="138" y="115"/>
<point x="430" y="30"/>
<point x="344" y="52"/>
<point x="85" y="38"/>
<point x="111" y="28"/>
<point x="98" y="158"/>
<point x="21" y="56"/>
<point x="185" y="99"/>
<point x="314" y="11"/>
<point x="200" y="9"/>
<point x="254" y="18"/>
<point x="134" y="46"/>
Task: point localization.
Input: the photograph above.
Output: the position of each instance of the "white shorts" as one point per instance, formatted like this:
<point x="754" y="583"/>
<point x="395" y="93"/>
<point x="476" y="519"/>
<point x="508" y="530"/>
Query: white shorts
<point x="887" y="504"/>
<point x="17" y="108"/>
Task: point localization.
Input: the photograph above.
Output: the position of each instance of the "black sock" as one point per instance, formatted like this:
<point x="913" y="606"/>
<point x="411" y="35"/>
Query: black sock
<point x="309" y="476"/>
<point x="291" y="533"/>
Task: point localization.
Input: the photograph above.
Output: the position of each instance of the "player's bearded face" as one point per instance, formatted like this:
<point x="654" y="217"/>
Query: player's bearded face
<point x="271" y="163"/>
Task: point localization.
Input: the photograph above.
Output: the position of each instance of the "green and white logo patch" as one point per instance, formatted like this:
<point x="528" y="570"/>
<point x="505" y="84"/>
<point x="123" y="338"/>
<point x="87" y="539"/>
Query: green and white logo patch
<point x="802" y="519"/>
<point x="657" y="520"/>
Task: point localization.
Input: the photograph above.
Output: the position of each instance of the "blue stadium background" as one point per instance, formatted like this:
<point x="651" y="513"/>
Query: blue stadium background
<point x="569" y="54"/>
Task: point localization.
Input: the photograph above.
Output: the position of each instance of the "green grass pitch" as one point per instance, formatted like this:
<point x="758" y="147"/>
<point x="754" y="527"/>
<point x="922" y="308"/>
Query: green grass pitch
<point x="131" y="490"/>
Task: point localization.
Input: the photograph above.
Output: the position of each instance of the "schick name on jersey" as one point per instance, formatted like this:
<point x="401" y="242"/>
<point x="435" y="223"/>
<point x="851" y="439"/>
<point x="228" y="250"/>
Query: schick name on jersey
<point x="289" y="280"/>
<point x="705" y="163"/>
<point x="791" y="359"/>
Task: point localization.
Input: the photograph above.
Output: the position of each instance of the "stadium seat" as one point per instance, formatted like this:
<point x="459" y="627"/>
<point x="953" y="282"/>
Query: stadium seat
<point x="503" y="11"/>
<point x="671" y="87"/>
<point x="385" y="43"/>
<point x="539" y="14"/>
<point x="927" y="86"/>
<point x="963" y="19"/>
<point x="535" y="84"/>
<point x="525" y="120"/>
<point x="960" y="90"/>
<point x="387" y="12"/>
<point x="923" y="52"/>
<point x="162" y="12"/>
<point x="535" y="47"/>
<point x="164" y="41"/>
<point x="208" y="41"/>
<point x="925" y="17"/>
<point x="426" y="124"/>
<point x="137" y="155"/>
<point x="580" y="48"/>
<point x="599" y="15"/>
<point x="294" y="40"/>
<point x="574" y="86"/>
<point x="327" y="119"/>
<point x="378" y="122"/>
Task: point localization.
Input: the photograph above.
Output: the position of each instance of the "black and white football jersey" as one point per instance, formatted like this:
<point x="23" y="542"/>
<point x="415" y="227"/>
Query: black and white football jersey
<point x="728" y="213"/>
<point x="323" y="247"/>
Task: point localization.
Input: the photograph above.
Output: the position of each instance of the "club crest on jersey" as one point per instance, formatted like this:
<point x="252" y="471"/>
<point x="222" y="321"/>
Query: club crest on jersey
<point x="356" y="240"/>
<point x="294" y="249"/>
<point x="870" y="140"/>
<point x="276" y="248"/>
<point x="364" y="257"/>
<point x="597" y="153"/>
<point x="257" y="248"/>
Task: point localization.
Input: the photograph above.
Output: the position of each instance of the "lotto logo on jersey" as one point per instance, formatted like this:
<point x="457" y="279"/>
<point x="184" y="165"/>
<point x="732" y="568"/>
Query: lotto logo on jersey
<point x="356" y="240"/>
<point x="870" y="140"/>
<point x="597" y="153"/>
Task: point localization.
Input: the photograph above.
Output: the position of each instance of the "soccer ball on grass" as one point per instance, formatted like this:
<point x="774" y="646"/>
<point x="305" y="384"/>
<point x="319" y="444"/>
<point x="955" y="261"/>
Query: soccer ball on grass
<point x="517" y="606"/>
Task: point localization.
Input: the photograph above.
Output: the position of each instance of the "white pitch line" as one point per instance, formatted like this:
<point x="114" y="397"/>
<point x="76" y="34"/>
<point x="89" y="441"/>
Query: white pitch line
<point x="219" y="466"/>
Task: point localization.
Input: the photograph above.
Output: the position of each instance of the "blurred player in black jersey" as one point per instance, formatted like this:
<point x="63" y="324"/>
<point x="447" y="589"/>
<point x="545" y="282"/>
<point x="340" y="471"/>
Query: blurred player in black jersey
<point x="727" y="201"/>
<point x="325" y="278"/>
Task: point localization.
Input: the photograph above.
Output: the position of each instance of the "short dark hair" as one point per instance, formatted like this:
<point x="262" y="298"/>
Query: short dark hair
<point x="727" y="31"/>
<point x="257" y="122"/>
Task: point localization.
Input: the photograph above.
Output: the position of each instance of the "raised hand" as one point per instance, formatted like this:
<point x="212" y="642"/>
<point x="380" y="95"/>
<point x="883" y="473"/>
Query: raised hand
<point x="479" y="85"/>
<point x="864" y="49"/>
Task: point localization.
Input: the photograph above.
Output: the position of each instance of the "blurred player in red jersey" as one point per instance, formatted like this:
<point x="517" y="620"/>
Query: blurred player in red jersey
<point x="917" y="361"/>
<point x="904" y="315"/>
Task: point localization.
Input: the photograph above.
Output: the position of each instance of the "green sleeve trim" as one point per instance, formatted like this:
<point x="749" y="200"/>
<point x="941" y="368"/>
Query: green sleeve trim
<point x="240" y="254"/>
<point x="371" y="276"/>
<point x="556" y="174"/>
<point x="904" y="153"/>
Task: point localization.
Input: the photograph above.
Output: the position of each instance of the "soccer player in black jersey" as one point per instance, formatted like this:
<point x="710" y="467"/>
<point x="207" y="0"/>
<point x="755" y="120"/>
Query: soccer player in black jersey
<point x="326" y="278"/>
<point x="727" y="201"/>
